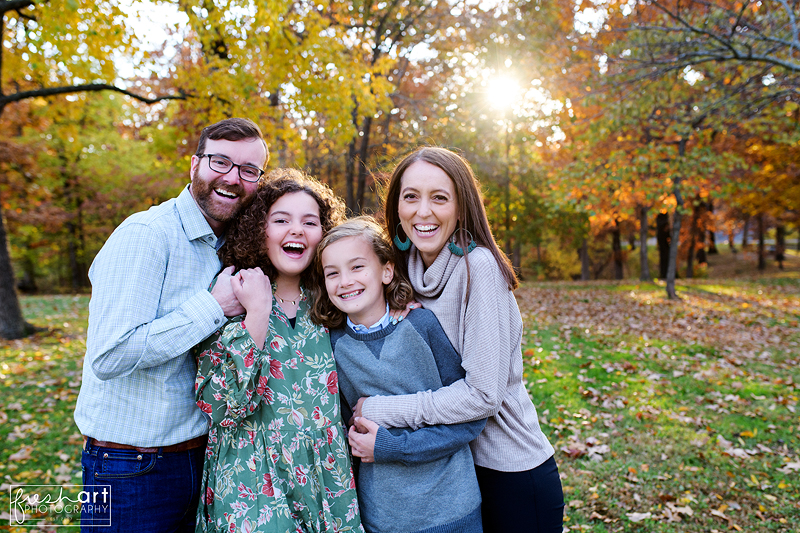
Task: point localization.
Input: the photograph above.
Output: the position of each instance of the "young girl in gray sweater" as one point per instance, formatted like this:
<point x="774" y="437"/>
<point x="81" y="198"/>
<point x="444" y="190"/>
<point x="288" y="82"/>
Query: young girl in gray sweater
<point x="408" y="481"/>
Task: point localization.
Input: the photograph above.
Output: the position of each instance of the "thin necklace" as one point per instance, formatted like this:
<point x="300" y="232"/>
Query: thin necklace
<point x="293" y="302"/>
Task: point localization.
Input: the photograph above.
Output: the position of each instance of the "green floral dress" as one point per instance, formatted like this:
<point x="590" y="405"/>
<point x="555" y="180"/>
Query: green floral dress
<point x="276" y="459"/>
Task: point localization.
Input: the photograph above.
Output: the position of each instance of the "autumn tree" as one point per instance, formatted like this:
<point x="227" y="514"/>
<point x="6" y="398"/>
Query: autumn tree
<point x="767" y="189"/>
<point x="90" y="173"/>
<point x="53" y="48"/>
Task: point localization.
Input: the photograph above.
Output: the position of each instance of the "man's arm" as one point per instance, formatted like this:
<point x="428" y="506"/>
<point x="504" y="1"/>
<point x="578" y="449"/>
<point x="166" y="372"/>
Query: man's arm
<point x="128" y="284"/>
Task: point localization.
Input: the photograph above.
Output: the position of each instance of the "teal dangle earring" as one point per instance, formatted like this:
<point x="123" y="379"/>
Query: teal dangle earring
<point x="401" y="245"/>
<point x="459" y="251"/>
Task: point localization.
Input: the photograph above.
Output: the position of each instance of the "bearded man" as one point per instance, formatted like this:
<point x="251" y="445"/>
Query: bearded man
<point x="144" y="435"/>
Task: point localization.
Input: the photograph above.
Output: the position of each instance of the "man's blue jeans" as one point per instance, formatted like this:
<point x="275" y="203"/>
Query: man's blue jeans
<point x="147" y="492"/>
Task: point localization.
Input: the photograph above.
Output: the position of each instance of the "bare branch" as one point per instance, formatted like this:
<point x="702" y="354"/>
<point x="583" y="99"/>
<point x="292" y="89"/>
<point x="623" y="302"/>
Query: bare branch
<point x="769" y="35"/>
<point x="91" y="87"/>
<point x="793" y="22"/>
<point x="14" y="5"/>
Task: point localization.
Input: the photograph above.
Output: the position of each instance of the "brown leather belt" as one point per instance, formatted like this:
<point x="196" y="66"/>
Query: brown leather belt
<point x="191" y="444"/>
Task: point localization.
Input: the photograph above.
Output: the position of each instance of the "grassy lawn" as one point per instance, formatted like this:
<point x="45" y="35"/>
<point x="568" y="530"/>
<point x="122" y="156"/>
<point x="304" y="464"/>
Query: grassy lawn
<point x="666" y="416"/>
<point x="670" y="416"/>
<point x="41" y="377"/>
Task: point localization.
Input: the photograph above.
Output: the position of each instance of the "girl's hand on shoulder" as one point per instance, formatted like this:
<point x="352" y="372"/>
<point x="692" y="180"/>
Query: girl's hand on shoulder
<point x="252" y="287"/>
<point x="399" y="314"/>
<point x="362" y="438"/>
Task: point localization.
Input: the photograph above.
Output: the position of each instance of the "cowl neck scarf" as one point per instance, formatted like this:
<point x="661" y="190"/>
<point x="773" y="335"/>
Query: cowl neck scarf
<point x="430" y="282"/>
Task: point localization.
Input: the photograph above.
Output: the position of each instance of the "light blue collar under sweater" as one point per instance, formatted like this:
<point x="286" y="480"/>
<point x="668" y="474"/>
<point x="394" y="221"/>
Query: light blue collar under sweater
<point x="377" y="326"/>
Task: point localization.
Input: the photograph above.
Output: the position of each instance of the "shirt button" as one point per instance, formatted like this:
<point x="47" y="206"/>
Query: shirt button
<point x="216" y="321"/>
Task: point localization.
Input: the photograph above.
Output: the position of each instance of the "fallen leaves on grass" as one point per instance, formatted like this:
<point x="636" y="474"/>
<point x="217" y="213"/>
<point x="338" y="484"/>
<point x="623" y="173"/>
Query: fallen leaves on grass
<point x="662" y="412"/>
<point x="638" y="517"/>
<point x="590" y="447"/>
<point x="790" y="468"/>
<point x="707" y="316"/>
<point x="23" y="454"/>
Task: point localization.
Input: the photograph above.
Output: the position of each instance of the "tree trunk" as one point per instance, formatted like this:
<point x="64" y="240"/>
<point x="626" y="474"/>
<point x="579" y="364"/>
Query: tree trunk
<point x="643" y="262"/>
<point x="762" y="256"/>
<point x="712" y="233"/>
<point x="780" y="244"/>
<point x="27" y="284"/>
<point x="12" y="325"/>
<point x="350" y="165"/>
<point x="516" y="261"/>
<point x="700" y="233"/>
<point x="662" y="239"/>
<point x="673" y="249"/>
<point x="712" y="243"/>
<point x="330" y="173"/>
<point x="632" y="240"/>
<point x="702" y="255"/>
<point x="585" y="274"/>
<point x="672" y="270"/>
<point x="616" y="247"/>
<point x="349" y="178"/>
<point x="692" y="243"/>
<point x="72" y="252"/>
<point x="745" y="232"/>
<point x="731" y="236"/>
<point x="363" y="157"/>
<point x="74" y="227"/>
<point x="507" y="200"/>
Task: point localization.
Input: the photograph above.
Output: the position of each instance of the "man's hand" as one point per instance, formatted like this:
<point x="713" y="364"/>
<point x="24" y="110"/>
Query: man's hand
<point x="224" y="295"/>
<point x="356" y="412"/>
<point x="362" y="438"/>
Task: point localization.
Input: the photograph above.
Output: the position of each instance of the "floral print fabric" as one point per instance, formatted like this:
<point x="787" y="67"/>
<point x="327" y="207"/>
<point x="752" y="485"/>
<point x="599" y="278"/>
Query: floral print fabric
<point x="276" y="459"/>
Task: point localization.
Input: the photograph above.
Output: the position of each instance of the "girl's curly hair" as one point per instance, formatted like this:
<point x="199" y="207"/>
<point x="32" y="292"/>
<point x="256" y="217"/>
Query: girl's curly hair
<point x="245" y="242"/>
<point x="397" y="293"/>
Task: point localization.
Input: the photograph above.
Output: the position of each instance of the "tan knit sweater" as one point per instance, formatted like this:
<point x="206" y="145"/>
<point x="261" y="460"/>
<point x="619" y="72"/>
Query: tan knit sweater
<point x="487" y="332"/>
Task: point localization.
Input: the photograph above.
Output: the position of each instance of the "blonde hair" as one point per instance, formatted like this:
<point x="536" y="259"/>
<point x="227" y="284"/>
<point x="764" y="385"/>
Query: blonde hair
<point x="397" y="293"/>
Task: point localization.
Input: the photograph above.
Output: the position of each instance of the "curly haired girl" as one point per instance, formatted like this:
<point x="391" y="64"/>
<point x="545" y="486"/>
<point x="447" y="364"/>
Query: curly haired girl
<point x="276" y="453"/>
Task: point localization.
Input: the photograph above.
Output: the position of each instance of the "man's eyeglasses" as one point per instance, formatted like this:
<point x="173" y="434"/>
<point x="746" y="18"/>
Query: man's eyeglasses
<point x="223" y="165"/>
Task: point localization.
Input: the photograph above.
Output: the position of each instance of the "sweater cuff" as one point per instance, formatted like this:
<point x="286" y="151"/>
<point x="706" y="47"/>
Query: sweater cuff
<point x="392" y="411"/>
<point x="387" y="449"/>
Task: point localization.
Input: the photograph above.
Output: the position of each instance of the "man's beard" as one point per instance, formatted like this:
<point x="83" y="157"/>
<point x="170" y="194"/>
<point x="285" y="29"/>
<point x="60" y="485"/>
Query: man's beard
<point x="204" y="195"/>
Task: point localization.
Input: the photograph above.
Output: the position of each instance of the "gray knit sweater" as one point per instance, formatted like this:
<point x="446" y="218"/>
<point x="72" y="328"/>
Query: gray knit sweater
<point x="487" y="332"/>
<point x="421" y="481"/>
